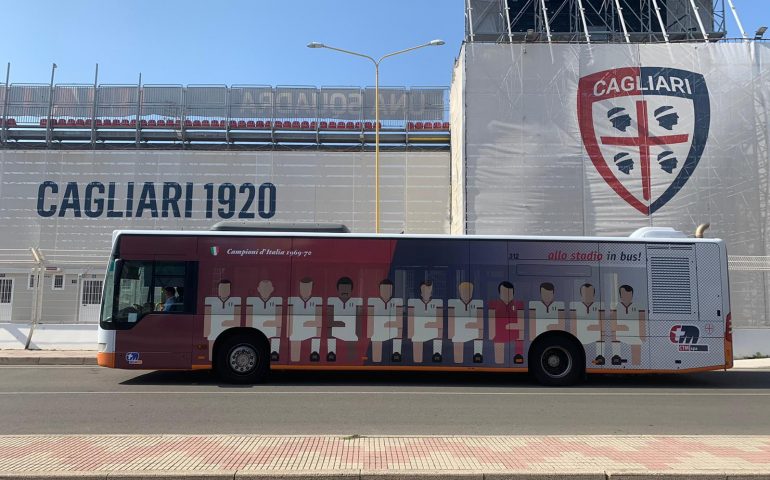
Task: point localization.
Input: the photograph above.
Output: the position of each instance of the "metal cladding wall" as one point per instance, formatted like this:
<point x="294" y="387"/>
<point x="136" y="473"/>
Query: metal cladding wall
<point x="603" y="139"/>
<point x="73" y="200"/>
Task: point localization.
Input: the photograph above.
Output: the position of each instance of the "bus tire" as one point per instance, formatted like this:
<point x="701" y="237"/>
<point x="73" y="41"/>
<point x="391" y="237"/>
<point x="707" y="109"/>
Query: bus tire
<point x="242" y="359"/>
<point x="557" y="360"/>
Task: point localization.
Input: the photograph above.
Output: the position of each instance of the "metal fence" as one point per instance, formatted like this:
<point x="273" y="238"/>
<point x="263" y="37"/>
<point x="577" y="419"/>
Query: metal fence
<point x="220" y="106"/>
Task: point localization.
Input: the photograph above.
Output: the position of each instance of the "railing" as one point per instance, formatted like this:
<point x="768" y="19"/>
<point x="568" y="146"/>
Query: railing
<point x="239" y="107"/>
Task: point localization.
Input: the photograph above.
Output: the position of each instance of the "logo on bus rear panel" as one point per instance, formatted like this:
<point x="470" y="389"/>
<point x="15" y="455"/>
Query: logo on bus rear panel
<point x="215" y="251"/>
<point x="686" y="337"/>
<point x="644" y="129"/>
<point x="133" y="358"/>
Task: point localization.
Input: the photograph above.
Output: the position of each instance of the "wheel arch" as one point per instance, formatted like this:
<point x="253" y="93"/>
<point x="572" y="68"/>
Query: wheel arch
<point x="238" y="331"/>
<point x="556" y="335"/>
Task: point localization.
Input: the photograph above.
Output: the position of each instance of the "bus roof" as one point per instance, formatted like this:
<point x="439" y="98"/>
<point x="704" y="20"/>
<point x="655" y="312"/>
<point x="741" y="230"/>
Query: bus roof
<point x="630" y="239"/>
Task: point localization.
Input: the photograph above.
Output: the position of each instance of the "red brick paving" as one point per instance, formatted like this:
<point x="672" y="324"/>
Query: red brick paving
<point x="287" y="454"/>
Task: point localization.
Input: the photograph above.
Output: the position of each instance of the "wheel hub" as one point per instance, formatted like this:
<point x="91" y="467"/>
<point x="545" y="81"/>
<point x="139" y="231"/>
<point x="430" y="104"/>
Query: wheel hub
<point x="243" y="359"/>
<point x="556" y="361"/>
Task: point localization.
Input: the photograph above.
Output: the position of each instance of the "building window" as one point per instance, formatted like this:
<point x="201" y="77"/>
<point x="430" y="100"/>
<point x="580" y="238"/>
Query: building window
<point x="32" y="282"/>
<point x="57" y="283"/>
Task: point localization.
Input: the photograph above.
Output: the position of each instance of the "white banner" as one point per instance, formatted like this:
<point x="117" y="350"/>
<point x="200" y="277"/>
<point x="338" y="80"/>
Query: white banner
<point x="74" y="200"/>
<point x="603" y="139"/>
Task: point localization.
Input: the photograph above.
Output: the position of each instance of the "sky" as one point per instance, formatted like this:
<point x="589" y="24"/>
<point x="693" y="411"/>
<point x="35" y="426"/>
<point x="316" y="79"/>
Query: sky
<point x="257" y="42"/>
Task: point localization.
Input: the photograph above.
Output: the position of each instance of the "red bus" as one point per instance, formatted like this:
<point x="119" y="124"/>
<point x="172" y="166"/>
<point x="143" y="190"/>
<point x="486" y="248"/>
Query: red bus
<point x="248" y="302"/>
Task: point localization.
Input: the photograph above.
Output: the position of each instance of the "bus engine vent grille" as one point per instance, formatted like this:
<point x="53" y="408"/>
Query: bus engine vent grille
<point x="671" y="289"/>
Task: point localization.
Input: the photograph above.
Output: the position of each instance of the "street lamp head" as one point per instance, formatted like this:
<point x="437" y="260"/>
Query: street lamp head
<point x="315" y="45"/>
<point x="760" y="32"/>
<point x="436" y="43"/>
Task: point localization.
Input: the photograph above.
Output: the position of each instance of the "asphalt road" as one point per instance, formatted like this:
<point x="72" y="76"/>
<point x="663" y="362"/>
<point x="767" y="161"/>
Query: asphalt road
<point x="80" y="400"/>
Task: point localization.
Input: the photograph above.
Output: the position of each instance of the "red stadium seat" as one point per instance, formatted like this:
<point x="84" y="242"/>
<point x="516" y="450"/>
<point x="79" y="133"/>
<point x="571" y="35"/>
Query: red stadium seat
<point x="259" y="124"/>
<point x="124" y="122"/>
<point x="80" y="122"/>
<point x="71" y="122"/>
<point x="268" y="125"/>
<point x="233" y="124"/>
<point x="99" y="122"/>
<point x="216" y="124"/>
<point x="278" y="124"/>
<point x="418" y="125"/>
<point x="368" y="126"/>
<point x="241" y="123"/>
<point x="205" y="124"/>
<point x="436" y="125"/>
<point x="43" y="122"/>
<point x="410" y="126"/>
<point x="251" y="124"/>
<point x="305" y="125"/>
<point x="177" y="123"/>
<point x="295" y="125"/>
<point x="445" y="126"/>
<point x="162" y="123"/>
<point x="107" y="122"/>
<point x="196" y="123"/>
<point x="313" y="125"/>
<point x="357" y="126"/>
<point x="428" y="126"/>
<point x="133" y="123"/>
<point x="332" y="125"/>
<point x="11" y="122"/>
<point x="153" y="123"/>
<point x="349" y="126"/>
<point x="143" y="123"/>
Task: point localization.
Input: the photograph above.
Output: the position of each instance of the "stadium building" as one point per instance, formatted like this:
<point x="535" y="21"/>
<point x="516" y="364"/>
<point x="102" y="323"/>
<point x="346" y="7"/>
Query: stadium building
<point x="564" y="117"/>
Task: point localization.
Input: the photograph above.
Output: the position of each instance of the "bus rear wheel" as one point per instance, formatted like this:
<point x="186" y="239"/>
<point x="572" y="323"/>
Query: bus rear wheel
<point x="556" y="361"/>
<point x="242" y="359"/>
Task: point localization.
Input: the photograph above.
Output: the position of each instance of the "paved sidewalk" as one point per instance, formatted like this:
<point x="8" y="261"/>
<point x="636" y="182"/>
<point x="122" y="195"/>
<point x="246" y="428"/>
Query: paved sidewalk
<point x="227" y="456"/>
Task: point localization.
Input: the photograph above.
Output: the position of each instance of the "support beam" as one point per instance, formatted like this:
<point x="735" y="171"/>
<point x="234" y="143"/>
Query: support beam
<point x="545" y="20"/>
<point x="737" y="20"/>
<point x="700" y="22"/>
<point x="622" y="21"/>
<point x="583" y="19"/>
<point x="660" y="20"/>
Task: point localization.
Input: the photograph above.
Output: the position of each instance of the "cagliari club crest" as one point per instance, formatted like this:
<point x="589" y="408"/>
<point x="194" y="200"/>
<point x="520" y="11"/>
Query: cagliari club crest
<point x="644" y="129"/>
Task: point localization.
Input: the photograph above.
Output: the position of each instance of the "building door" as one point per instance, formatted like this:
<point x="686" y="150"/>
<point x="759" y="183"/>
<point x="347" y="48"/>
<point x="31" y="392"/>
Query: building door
<point x="91" y="298"/>
<point x="6" y="299"/>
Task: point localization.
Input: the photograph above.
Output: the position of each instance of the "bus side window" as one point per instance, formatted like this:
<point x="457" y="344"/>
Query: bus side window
<point x="172" y="282"/>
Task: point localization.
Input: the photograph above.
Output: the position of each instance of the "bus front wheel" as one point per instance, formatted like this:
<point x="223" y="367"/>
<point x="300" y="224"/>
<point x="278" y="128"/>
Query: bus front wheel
<point x="242" y="359"/>
<point x="557" y="361"/>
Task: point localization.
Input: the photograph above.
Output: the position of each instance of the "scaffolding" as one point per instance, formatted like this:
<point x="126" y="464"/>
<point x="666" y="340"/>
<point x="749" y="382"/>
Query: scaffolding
<point x="596" y="21"/>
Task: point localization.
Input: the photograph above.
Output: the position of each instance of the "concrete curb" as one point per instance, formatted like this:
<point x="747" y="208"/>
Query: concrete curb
<point x="34" y="360"/>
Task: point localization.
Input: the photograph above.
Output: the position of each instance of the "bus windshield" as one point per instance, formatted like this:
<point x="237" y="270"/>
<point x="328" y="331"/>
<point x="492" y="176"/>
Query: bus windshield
<point x="140" y="288"/>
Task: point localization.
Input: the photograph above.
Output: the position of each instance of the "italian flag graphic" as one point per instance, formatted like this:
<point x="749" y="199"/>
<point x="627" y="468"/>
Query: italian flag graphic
<point x="215" y="251"/>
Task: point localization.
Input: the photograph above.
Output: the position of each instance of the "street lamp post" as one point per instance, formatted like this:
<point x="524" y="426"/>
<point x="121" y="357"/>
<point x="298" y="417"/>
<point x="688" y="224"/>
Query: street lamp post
<point x="432" y="43"/>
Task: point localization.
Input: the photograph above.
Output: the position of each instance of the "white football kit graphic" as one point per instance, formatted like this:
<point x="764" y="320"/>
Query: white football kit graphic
<point x="345" y="312"/>
<point x="384" y="315"/>
<point x="221" y="311"/>
<point x="263" y="312"/>
<point x="587" y="316"/>
<point x="425" y="313"/>
<point x="628" y="316"/>
<point x="545" y="315"/>
<point x="304" y="312"/>
<point x="463" y="315"/>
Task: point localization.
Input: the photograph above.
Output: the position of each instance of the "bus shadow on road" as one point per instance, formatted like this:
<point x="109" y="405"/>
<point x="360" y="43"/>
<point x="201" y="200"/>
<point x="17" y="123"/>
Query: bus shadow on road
<point x="734" y="379"/>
